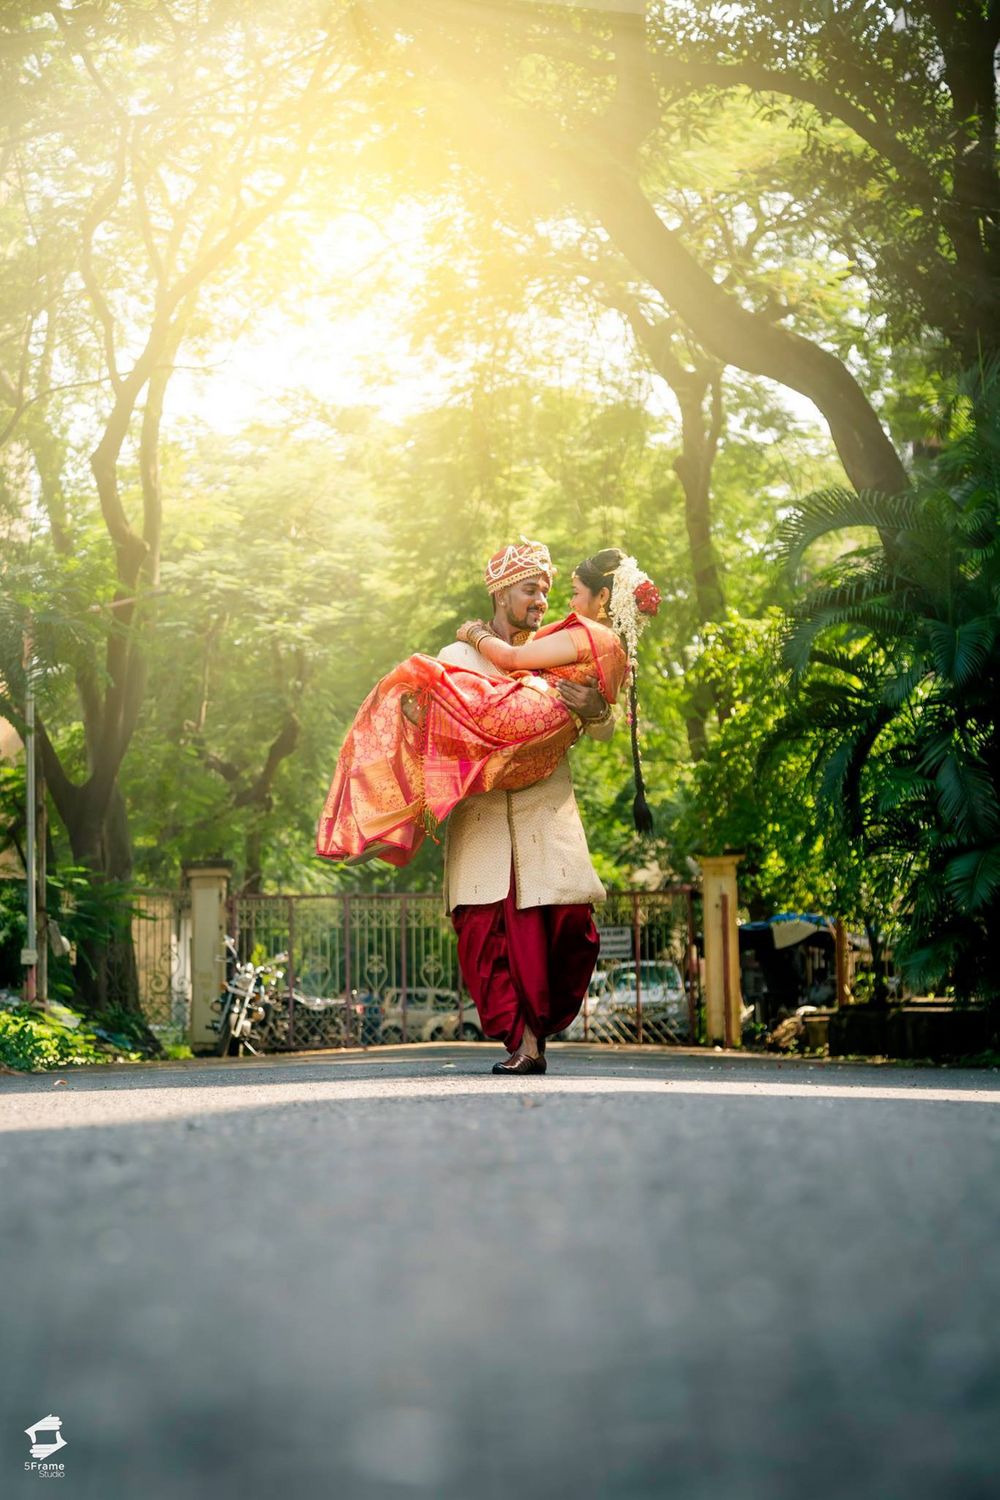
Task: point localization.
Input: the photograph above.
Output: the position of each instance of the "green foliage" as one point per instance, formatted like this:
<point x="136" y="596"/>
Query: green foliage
<point x="897" y="651"/>
<point x="33" y="1042"/>
<point x="733" y="799"/>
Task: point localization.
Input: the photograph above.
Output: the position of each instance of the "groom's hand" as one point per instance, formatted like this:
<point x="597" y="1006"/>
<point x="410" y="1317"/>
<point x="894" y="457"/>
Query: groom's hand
<point x="583" y="700"/>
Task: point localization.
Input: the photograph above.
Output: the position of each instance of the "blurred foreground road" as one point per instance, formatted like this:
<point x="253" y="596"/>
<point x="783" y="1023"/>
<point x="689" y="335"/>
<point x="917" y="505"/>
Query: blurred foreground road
<point x="390" y="1274"/>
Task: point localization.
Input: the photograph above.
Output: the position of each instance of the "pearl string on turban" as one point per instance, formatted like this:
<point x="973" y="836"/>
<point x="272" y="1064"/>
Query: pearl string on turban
<point x="517" y="562"/>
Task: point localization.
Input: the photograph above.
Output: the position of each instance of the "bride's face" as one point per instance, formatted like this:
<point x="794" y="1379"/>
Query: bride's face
<point x="583" y="602"/>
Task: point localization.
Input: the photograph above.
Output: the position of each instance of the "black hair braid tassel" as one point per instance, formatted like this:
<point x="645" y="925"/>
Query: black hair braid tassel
<point x="641" y="815"/>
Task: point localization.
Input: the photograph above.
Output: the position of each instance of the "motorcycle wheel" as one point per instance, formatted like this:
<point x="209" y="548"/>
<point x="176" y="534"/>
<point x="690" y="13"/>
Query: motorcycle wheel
<point x="226" y="1023"/>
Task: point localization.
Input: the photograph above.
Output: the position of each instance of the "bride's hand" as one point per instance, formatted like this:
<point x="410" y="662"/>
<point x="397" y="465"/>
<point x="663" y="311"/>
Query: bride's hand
<point x="469" y="631"/>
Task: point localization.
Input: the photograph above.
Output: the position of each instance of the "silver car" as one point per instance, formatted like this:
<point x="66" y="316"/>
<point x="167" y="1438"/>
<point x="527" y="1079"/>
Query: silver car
<point x="610" y="1010"/>
<point x="432" y="1015"/>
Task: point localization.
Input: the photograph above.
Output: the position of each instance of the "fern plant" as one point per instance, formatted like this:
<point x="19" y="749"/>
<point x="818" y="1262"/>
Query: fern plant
<point x="895" y="657"/>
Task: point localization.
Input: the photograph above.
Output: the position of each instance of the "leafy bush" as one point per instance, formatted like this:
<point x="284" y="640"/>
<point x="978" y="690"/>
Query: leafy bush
<point x="33" y="1042"/>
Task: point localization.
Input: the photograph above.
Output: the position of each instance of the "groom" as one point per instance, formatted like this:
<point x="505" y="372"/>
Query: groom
<point x="519" y="882"/>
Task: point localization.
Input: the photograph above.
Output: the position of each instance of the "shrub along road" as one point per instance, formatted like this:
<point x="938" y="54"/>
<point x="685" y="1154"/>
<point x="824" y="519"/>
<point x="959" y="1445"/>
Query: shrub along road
<point x="389" y="1274"/>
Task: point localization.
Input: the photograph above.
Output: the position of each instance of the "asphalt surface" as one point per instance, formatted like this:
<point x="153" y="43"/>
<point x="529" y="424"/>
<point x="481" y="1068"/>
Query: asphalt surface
<point x="392" y="1275"/>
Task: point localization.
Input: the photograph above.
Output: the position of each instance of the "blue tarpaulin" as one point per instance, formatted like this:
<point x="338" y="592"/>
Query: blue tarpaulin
<point x="790" y="927"/>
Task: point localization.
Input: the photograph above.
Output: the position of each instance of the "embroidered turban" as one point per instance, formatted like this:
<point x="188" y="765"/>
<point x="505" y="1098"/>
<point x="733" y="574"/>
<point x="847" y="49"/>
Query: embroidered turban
<point x="517" y="562"/>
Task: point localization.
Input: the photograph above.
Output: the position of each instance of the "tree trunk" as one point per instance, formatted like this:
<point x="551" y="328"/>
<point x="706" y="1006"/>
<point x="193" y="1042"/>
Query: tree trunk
<point x="691" y="384"/>
<point x="737" y="337"/>
<point x="106" y="969"/>
<point x="253" y="859"/>
<point x="599" y="168"/>
<point x="700" y="434"/>
<point x="693" y="466"/>
<point x="695" y="715"/>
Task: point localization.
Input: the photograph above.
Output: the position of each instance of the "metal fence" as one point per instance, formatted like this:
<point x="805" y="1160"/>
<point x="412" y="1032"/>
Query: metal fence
<point x="647" y="986"/>
<point x="383" y="968"/>
<point x="161" y="940"/>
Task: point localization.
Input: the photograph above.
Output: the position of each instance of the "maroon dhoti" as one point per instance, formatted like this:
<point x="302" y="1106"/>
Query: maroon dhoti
<point x="529" y="966"/>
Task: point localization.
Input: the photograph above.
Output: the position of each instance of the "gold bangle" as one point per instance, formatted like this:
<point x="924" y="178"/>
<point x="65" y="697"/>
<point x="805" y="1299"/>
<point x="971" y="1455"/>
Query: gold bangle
<point x="602" y="717"/>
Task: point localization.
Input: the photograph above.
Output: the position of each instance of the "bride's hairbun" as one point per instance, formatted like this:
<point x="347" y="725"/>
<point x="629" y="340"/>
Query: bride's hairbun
<point x="598" y="572"/>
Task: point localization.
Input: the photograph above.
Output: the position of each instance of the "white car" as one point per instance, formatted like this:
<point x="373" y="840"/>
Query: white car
<point x="610" y="1010"/>
<point x="431" y="1016"/>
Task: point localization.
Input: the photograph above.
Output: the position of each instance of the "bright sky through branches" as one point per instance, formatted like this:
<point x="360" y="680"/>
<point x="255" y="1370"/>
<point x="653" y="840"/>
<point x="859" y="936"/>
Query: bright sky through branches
<point x="337" y="329"/>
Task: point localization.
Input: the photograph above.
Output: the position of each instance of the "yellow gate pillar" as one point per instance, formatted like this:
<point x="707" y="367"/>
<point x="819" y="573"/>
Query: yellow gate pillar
<point x="208" y="885"/>
<point x="723" y="999"/>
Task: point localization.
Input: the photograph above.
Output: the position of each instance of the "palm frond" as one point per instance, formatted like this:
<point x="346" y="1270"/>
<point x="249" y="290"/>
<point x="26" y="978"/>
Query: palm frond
<point x="967" y="796"/>
<point x="960" y="652"/>
<point x="898" y="688"/>
<point x="980" y="527"/>
<point x="856" y="621"/>
<point x="903" y="788"/>
<point x="838" y="508"/>
<point x="974" y="877"/>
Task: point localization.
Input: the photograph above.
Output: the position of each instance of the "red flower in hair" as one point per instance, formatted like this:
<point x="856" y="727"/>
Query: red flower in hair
<point x="647" y="597"/>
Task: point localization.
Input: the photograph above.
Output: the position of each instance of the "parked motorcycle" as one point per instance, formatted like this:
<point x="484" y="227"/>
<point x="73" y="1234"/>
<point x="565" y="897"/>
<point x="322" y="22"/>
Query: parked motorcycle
<point x="249" y="1002"/>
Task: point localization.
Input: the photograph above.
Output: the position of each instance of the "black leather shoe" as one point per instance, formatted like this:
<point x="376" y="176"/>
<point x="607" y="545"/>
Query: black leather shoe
<point x="521" y="1063"/>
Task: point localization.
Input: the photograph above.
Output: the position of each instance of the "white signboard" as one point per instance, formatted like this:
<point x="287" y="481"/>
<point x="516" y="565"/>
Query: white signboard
<point x="616" y="942"/>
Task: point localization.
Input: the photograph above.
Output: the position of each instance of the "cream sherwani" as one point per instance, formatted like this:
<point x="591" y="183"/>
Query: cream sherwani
<point x="539" y="828"/>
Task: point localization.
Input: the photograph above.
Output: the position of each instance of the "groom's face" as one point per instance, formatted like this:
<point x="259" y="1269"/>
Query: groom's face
<point x="524" y="604"/>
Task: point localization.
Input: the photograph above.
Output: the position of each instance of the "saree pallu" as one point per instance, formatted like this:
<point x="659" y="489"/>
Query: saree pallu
<point x="476" y="734"/>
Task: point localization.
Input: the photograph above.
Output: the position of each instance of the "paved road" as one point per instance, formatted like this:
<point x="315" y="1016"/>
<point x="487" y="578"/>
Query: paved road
<point x="392" y="1275"/>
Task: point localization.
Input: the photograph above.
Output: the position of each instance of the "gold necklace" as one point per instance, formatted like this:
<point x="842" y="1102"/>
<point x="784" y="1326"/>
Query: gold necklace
<point x="517" y="639"/>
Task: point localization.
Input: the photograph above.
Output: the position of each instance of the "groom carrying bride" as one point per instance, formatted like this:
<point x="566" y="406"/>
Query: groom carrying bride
<point x="481" y="732"/>
<point x="519" y="882"/>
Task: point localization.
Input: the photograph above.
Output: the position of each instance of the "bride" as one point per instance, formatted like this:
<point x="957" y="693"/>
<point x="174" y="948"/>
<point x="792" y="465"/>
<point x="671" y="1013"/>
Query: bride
<point x="430" y="733"/>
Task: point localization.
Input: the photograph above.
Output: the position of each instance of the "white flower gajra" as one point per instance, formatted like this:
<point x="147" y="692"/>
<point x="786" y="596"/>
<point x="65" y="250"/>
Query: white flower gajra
<point x="626" y="616"/>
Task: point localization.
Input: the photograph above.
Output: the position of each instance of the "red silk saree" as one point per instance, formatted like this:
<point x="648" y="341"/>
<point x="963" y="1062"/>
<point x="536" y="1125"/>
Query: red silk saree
<point x="476" y="734"/>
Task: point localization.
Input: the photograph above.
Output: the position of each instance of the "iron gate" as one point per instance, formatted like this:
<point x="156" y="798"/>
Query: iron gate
<point x="364" y="970"/>
<point x="161" y="942"/>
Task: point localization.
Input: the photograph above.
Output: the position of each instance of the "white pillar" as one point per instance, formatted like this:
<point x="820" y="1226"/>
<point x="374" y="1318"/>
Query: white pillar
<point x="208" y="885"/>
<point x="723" y="999"/>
